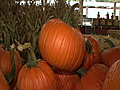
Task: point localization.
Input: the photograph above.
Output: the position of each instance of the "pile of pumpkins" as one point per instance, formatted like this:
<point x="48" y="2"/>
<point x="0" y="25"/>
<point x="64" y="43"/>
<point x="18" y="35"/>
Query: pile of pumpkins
<point x="70" y="61"/>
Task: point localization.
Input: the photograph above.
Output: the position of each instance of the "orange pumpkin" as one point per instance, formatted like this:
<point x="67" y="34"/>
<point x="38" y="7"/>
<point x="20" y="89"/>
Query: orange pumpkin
<point x="112" y="80"/>
<point x="6" y="64"/>
<point x="37" y="78"/>
<point x="93" y="53"/>
<point x="61" y="45"/>
<point x="36" y="75"/>
<point x="110" y="55"/>
<point x="93" y="79"/>
<point x="3" y="83"/>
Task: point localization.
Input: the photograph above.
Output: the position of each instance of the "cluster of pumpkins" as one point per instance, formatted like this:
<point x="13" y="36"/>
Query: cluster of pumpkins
<point x="70" y="61"/>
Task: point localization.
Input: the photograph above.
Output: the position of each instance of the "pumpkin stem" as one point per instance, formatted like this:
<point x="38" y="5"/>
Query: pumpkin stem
<point x="11" y="75"/>
<point x="81" y="71"/>
<point x="67" y="17"/>
<point x="32" y="61"/>
<point x="89" y="47"/>
<point x="6" y="38"/>
<point x="110" y="42"/>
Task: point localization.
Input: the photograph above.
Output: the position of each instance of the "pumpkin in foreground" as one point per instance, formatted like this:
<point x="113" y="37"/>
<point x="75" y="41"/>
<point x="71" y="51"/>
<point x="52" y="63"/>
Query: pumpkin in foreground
<point x="36" y="75"/>
<point x="93" y="79"/>
<point x="61" y="45"/>
<point x="112" y="80"/>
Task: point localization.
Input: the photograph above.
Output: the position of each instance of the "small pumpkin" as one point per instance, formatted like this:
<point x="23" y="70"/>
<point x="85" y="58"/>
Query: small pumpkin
<point x="36" y="75"/>
<point x="92" y="79"/>
<point x="66" y="80"/>
<point x="61" y="45"/>
<point x="112" y="80"/>
<point x="3" y="83"/>
<point x="93" y="52"/>
<point x="110" y="55"/>
<point x="6" y="65"/>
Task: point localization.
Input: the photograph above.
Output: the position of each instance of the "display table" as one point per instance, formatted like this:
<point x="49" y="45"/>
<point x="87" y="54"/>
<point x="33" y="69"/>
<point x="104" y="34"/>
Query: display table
<point x="99" y="29"/>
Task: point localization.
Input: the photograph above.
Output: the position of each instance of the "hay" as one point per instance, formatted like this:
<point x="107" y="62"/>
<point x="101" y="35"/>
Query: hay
<point x="114" y="34"/>
<point x="101" y="40"/>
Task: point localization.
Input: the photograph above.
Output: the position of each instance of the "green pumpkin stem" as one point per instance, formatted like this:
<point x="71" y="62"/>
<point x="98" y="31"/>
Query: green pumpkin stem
<point x="6" y="38"/>
<point x="89" y="47"/>
<point x="9" y="77"/>
<point x="67" y="17"/>
<point x="32" y="61"/>
<point x="82" y="71"/>
<point x="110" y="42"/>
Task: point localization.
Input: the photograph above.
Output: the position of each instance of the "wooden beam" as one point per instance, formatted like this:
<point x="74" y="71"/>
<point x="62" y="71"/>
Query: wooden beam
<point x="81" y="11"/>
<point x="114" y="10"/>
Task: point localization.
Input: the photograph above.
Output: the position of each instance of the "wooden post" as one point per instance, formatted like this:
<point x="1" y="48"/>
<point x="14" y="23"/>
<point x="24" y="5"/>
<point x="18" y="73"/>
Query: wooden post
<point x="114" y="10"/>
<point x="87" y="11"/>
<point x="81" y="11"/>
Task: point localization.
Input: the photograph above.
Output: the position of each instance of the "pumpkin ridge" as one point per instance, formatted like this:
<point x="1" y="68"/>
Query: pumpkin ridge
<point x="65" y="34"/>
<point x="83" y="82"/>
<point x="55" y="42"/>
<point x="45" y="39"/>
<point x="73" y="58"/>
<point x="90" y="78"/>
<point x="73" y="64"/>
<point x="23" y="74"/>
<point x="112" y="78"/>
<point x="38" y="78"/>
<point x="97" y="80"/>
<point x="83" y="47"/>
<point x="49" y="70"/>
<point x="68" y="50"/>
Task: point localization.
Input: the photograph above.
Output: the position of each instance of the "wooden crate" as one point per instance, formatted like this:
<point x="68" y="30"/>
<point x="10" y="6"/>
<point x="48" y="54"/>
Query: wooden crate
<point x="96" y="22"/>
<point x="116" y="23"/>
<point x="102" y="21"/>
<point x="109" y="22"/>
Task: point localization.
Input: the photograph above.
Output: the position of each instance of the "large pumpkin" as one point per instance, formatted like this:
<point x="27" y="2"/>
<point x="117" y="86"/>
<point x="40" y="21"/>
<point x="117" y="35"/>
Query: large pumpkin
<point x="112" y="80"/>
<point x="110" y="55"/>
<point x="92" y="79"/>
<point x="3" y="83"/>
<point x="66" y="79"/>
<point x="93" y="52"/>
<point x="61" y="45"/>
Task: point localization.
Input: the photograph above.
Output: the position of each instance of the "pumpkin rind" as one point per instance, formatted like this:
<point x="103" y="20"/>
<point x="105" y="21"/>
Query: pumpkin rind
<point x="66" y="79"/>
<point x="61" y="45"/>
